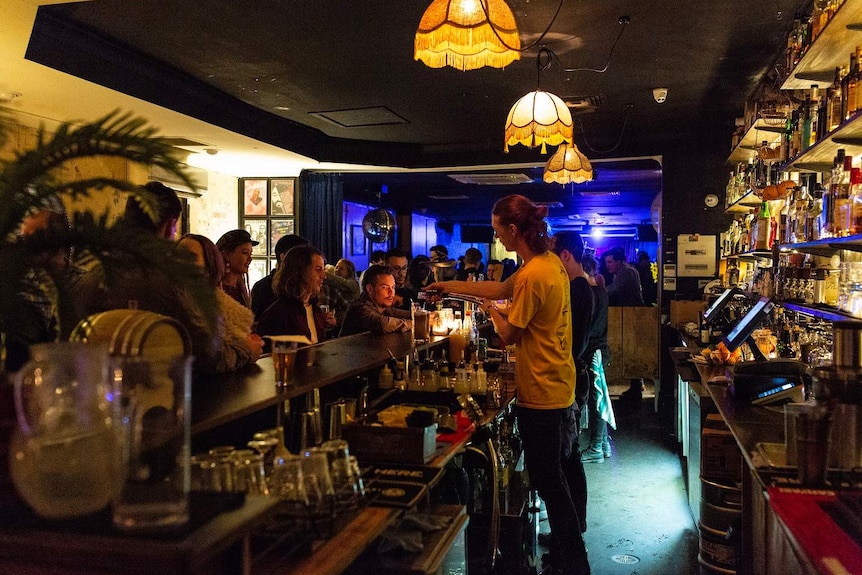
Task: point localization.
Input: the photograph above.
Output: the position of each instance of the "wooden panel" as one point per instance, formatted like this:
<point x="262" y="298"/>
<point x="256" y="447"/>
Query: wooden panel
<point x="615" y="343"/>
<point x="640" y="342"/>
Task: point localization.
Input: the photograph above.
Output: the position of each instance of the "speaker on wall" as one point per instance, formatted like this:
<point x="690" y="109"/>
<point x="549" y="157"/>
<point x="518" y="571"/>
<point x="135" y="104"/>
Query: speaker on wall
<point x="647" y="233"/>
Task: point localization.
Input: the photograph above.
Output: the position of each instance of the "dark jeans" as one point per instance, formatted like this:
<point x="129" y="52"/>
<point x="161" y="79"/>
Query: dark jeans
<point x="557" y="474"/>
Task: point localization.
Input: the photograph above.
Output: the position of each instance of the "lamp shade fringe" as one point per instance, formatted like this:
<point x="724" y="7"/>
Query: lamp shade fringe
<point x="568" y="164"/>
<point x="450" y="35"/>
<point x="538" y="118"/>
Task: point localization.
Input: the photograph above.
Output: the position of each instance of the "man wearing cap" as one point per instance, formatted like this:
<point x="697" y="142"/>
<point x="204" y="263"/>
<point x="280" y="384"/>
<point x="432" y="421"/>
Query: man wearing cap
<point x="236" y="247"/>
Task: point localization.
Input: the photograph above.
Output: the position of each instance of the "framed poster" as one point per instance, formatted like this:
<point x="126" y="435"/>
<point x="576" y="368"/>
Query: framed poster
<point x="281" y="200"/>
<point x="257" y="270"/>
<point x="357" y="241"/>
<point x="279" y="229"/>
<point x="696" y="256"/>
<point x="254" y="197"/>
<point x="257" y="230"/>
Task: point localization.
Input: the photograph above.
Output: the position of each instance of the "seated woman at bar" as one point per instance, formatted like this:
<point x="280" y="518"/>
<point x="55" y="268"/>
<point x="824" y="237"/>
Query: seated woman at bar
<point x="297" y="283"/>
<point x="374" y="310"/>
<point x="239" y="345"/>
<point x="236" y="247"/>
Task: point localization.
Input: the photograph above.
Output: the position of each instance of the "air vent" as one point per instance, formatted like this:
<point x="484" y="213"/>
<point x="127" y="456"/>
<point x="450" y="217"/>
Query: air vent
<point x="509" y="179"/>
<point x="180" y="142"/>
<point x="584" y="103"/>
<point x="609" y="214"/>
<point x="361" y="117"/>
<point x="456" y="197"/>
<point x="595" y="193"/>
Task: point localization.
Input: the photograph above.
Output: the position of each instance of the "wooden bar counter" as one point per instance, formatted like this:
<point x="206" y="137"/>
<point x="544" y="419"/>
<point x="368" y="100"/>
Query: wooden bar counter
<point x="221" y="544"/>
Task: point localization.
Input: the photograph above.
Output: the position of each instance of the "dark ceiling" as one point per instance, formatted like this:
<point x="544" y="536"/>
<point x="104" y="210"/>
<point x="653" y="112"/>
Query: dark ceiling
<point x="287" y="71"/>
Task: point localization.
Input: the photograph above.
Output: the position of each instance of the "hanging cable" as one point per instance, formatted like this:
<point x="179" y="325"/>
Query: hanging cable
<point x="535" y="42"/>
<point x="624" y="21"/>
<point x="619" y="140"/>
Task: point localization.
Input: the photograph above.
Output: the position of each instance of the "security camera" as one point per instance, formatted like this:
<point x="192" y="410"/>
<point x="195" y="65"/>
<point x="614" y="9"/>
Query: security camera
<point x="660" y="94"/>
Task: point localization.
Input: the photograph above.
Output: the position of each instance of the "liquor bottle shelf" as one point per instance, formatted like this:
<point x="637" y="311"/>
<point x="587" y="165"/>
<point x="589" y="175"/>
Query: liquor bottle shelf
<point x="827" y="246"/>
<point x="819" y="311"/>
<point x="828" y="51"/>
<point x="762" y="130"/>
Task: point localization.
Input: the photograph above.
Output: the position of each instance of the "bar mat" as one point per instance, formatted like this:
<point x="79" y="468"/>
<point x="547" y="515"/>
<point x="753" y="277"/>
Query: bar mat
<point x="824" y="540"/>
<point x="203" y="506"/>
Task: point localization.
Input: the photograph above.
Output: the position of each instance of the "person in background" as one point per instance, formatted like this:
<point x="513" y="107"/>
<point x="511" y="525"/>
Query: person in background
<point x="419" y="274"/>
<point x="337" y="293"/>
<point x="648" y="285"/>
<point x="598" y="357"/>
<point x="625" y="290"/>
<point x="295" y="311"/>
<point x="374" y="310"/>
<point x="377" y="258"/>
<point x="569" y="247"/>
<point x="538" y="322"/>
<point x="396" y="261"/>
<point x="472" y="265"/>
<point x="344" y="268"/>
<point x="239" y="345"/>
<point x="445" y="268"/>
<point x="149" y="289"/>
<point x="262" y="294"/>
<point x="236" y="247"/>
<point x="494" y="271"/>
<point x="509" y="268"/>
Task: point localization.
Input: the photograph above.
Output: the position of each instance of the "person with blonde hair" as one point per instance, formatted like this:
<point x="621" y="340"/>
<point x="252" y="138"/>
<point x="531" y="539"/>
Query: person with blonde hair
<point x="239" y="345"/>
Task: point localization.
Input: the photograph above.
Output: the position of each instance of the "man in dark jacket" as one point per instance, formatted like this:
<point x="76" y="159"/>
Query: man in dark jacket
<point x="374" y="310"/>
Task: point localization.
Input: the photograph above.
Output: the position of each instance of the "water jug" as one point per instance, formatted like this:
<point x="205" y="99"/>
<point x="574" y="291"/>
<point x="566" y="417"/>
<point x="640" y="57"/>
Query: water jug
<point x="63" y="458"/>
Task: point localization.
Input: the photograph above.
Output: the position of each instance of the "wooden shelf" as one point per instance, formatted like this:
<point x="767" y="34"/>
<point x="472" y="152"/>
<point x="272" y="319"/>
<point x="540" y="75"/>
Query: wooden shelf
<point x="744" y="204"/>
<point x="762" y="130"/>
<point x="825" y="313"/>
<point x="828" y="246"/>
<point x="818" y="158"/>
<point x="829" y="50"/>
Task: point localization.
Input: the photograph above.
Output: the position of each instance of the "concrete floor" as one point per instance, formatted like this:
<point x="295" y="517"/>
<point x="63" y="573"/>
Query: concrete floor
<point x="637" y="510"/>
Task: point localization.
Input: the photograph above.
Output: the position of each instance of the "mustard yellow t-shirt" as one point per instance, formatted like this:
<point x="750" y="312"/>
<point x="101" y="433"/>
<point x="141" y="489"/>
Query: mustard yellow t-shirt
<point x="544" y="370"/>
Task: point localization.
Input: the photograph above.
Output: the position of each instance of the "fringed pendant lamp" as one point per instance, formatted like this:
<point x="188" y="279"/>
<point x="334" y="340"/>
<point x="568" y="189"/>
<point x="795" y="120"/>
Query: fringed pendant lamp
<point x="538" y="118"/>
<point x="567" y="165"/>
<point x="466" y="35"/>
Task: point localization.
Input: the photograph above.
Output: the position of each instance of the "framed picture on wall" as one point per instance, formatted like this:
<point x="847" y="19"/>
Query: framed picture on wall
<point x="279" y="229"/>
<point x="357" y="241"/>
<point x="254" y="197"/>
<point x="257" y="230"/>
<point x="281" y="197"/>
<point x="257" y="270"/>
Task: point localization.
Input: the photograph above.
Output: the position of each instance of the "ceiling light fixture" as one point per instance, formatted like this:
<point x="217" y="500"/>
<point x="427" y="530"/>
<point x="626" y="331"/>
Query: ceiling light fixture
<point x="539" y="117"/>
<point x="568" y="165"/>
<point x="467" y="35"/>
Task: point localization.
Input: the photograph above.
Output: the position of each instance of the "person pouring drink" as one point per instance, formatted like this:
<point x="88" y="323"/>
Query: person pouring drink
<point x="538" y="322"/>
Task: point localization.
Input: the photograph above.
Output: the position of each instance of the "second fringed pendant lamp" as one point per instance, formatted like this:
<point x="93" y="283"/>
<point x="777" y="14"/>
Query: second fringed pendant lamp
<point x="466" y="35"/>
<point x="539" y="118"/>
<point x="568" y="165"/>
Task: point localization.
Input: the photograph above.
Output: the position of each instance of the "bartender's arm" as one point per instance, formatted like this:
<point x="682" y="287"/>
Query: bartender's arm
<point x="489" y="290"/>
<point x="509" y="333"/>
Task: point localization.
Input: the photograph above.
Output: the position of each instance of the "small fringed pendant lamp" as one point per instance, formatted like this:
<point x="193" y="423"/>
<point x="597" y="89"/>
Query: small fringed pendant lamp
<point x="568" y="165"/>
<point x="538" y="118"/>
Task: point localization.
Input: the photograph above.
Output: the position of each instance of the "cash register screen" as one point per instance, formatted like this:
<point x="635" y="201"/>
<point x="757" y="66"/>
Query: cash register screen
<point x="744" y="328"/>
<point x="719" y="304"/>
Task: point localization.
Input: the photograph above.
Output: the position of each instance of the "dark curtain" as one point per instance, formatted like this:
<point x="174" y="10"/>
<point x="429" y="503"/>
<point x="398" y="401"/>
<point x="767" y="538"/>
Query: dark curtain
<point x="321" y="212"/>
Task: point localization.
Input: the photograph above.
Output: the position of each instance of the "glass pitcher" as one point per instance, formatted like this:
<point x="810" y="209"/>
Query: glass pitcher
<point x="63" y="458"/>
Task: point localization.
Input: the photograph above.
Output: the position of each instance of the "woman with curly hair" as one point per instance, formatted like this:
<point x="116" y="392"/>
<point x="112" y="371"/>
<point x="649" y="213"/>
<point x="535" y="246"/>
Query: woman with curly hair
<point x="297" y="283"/>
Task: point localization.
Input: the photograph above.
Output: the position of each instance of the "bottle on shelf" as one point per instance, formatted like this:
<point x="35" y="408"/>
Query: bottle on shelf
<point x="704" y="330"/>
<point x="805" y="119"/>
<point x="834" y="112"/>
<point x="854" y="89"/>
<point x="801" y="215"/>
<point x="854" y="221"/>
<point x="841" y="204"/>
<point x="763" y="228"/>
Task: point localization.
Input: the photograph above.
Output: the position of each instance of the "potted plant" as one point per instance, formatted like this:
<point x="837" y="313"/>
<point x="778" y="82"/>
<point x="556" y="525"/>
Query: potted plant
<point x="30" y="280"/>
